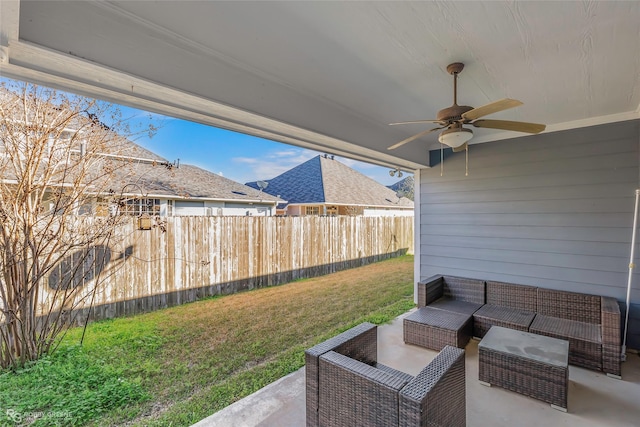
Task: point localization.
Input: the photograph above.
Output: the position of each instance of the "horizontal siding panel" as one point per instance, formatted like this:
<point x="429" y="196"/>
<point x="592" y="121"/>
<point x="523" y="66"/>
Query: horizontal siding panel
<point x="612" y="290"/>
<point x="454" y="167"/>
<point x="578" y="234"/>
<point x="613" y="133"/>
<point x="583" y="262"/>
<point x="557" y="192"/>
<point x="558" y="247"/>
<point x="614" y="205"/>
<point x="531" y="153"/>
<point x="628" y="175"/>
<point x="563" y="274"/>
<point x="623" y="220"/>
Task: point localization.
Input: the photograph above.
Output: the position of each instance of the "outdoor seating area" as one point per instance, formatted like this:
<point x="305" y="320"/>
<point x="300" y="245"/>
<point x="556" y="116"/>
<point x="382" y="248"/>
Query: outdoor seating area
<point x="346" y="386"/>
<point x="593" y="399"/>
<point x="451" y="307"/>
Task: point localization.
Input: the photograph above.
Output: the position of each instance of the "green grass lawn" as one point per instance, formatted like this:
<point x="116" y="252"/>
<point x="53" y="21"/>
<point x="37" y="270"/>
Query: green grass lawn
<point x="176" y="366"/>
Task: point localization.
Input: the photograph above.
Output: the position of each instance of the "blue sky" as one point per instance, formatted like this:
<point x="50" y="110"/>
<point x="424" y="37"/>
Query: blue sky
<point x="237" y="156"/>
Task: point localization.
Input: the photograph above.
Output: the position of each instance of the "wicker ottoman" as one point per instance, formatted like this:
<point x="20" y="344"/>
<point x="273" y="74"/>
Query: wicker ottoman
<point x="433" y="328"/>
<point x="534" y="365"/>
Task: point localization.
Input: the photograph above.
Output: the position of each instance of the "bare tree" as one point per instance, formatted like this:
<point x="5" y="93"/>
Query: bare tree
<point x="58" y="163"/>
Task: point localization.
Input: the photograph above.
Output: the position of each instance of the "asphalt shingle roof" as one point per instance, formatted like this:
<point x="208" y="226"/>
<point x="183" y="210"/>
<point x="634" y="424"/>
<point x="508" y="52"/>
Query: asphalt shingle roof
<point x="187" y="181"/>
<point x="324" y="180"/>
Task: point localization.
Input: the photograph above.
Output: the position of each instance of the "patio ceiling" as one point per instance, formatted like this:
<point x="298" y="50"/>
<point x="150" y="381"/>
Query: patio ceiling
<point x="332" y="75"/>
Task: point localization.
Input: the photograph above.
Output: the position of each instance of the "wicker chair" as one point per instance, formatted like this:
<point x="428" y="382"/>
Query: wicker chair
<point x="354" y="390"/>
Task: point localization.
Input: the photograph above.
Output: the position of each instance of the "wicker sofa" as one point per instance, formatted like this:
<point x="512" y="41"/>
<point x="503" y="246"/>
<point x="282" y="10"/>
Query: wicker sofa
<point x="345" y="386"/>
<point x="590" y="323"/>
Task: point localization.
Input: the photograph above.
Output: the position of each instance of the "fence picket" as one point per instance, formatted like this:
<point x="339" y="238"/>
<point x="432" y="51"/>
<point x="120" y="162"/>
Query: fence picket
<point x="191" y="257"/>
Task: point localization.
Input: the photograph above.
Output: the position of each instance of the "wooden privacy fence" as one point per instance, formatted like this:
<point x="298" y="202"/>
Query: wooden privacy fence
<point x="182" y="259"/>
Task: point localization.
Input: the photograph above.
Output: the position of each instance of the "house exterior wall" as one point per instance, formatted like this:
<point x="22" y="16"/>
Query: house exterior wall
<point x="387" y="212"/>
<point x="245" y="209"/>
<point x="298" y="210"/>
<point x="188" y="208"/>
<point x="553" y="210"/>
<point x="211" y="208"/>
<point x="294" y="210"/>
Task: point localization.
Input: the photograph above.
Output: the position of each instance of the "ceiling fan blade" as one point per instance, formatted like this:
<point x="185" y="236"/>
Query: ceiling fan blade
<point x="411" y="138"/>
<point x="509" y="125"/>
<point x="494" y="107"/>
<point x="460" y="148"/>
<point x="413" y="122"/>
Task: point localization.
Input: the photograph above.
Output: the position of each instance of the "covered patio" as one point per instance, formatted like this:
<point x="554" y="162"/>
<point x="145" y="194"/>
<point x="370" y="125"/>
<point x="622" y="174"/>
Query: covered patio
<point x="553" y="210"/>
<point x="595" y="400"/>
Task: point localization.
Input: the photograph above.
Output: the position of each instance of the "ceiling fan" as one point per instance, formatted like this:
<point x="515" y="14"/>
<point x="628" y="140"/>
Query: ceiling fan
<point x="453" y="119"/>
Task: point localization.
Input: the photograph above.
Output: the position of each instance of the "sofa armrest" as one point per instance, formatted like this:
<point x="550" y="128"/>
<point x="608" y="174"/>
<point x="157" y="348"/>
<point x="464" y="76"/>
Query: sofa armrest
<point x="610" y="319"/>
<point x="430" y="290"/>
<point x="611" y="337"/>
<point x="436" y="396"/>
<point x="359" y="342"/>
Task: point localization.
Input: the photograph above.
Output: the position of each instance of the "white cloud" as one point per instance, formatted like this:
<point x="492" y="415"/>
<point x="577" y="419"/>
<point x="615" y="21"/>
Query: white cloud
<point x="288" y="153"/>
<point x="273" y="163"/>
<point x="247" y="160"/>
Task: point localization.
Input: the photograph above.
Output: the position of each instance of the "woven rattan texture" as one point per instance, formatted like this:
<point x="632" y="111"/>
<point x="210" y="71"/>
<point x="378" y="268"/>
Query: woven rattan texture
<point x="394" y="372"/>
<point x="611" y="356"/>
<point x="436" y="397"/>
<point x="430" y="290"/>
<point x="610" y="321"/>
<point x="354" y="394"/>
<point x="585" y="342"/>
<point x="360" y="342"/>
<point x="492" y="315"/>
<point x="456" y="306"/>
<point x="569" y="305"/>
<point x="435" y="329"/>
<point x="532" y="378"/>
<point x="520" y="297"/>
<point x="464" y="289"/>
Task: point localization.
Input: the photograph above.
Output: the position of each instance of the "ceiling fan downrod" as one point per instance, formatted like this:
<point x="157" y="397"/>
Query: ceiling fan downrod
<point x="455" y="69"/>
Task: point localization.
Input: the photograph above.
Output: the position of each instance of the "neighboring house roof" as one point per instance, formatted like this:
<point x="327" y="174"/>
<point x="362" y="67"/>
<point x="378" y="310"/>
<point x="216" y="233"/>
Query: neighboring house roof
<point x="134" y="170"/>
<point x="187" y="181"/>
<point x="327" y="181"/>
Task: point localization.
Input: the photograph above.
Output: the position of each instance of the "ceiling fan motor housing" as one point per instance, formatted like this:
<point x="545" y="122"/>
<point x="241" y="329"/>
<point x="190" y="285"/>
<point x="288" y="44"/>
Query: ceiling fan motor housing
<point x="453" y="113"/>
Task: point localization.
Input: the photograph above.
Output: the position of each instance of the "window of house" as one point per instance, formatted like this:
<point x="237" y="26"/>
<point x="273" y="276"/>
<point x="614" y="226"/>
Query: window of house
<point x="139" y="206"/>
<point x="312" y="210"/>
<point x="332" y="210"/>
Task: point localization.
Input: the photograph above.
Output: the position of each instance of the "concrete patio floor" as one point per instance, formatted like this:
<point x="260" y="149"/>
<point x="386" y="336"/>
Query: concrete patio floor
<point x="594" y="398"/>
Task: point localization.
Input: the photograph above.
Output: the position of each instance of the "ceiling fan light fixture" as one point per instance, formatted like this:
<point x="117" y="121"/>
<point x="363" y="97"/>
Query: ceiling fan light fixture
<point x="455" y="137"/>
